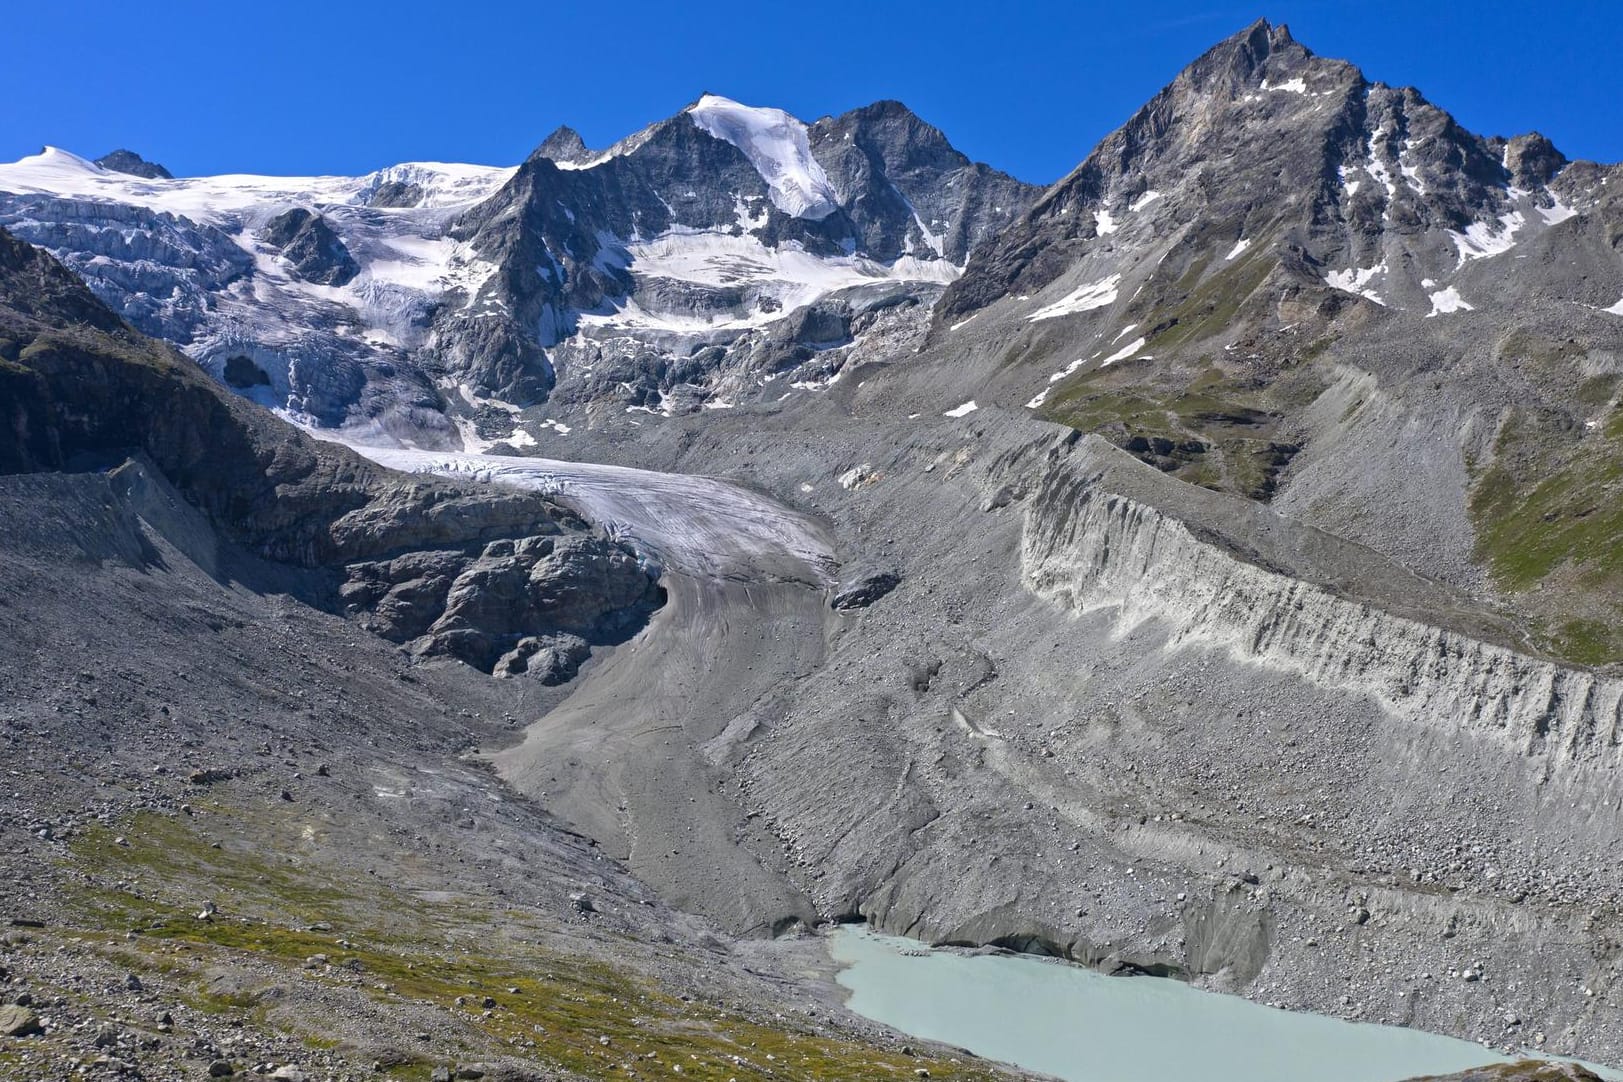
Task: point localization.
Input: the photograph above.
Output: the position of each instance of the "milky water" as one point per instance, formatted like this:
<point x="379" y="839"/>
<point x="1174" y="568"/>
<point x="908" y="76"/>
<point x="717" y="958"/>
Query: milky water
<point x="1080" y="1025"/>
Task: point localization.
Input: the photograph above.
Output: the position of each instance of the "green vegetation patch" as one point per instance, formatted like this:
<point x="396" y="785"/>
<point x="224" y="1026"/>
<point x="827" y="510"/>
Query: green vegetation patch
<point x="1215" y="432"/>
<point x="1548" y="511"/>
<point x="476" y="962"/>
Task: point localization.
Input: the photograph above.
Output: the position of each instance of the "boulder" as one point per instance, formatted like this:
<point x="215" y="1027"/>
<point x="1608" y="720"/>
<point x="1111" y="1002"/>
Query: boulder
<point x="18" y="1021"/>
<point x="863" y="589"/>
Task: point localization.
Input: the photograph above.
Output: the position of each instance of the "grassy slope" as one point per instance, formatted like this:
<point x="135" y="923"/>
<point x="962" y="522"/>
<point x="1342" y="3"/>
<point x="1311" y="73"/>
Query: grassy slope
<point x="553" y="1003"/>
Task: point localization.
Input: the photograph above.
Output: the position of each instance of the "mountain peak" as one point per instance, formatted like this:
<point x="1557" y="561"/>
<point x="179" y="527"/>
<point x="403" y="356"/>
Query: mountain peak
<point x="128" y="161"/>
<point x="777" y="144"/>
<point x="563" y="145"/>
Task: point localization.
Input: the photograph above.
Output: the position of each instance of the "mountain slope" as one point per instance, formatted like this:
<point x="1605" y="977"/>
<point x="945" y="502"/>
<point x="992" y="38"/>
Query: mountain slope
<point x="1282" y="280"/>
<point x="497" y="579"/>
<point x="422" y="305"/>
<point x="251" y="837"/>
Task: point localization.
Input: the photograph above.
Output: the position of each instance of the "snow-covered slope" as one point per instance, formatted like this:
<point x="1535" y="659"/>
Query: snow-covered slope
<point x="425" y="303"/>
<point x="190" y="260"/>
<point x="779" y="148"/>
<point x="217" y="199"/>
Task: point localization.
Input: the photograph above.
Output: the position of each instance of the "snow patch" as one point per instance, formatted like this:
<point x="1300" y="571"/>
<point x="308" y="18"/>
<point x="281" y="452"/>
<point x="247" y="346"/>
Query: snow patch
<point x="1289" y="86"/>
<point x="777" y="145"/>
<point x="1081" y="299"/>
<point x="787" y="275"/>
<point x="1357" y="281"/>
<point x="1616" y="309"/>
<point x="1555" y="215"/>
<point x="1123" y="353"/>
<point x="1144" y="200"/>
<point x="962" y="411"/>
<point x="1482" y="240"/>
<point x="1103" y="223"/>
<point x="1239" y="247"/>
<point x="1068" y="369"/>
<point x="1411" y="173"/>
<point x="1446" y="301"/>
<point x="1377" y="168"/>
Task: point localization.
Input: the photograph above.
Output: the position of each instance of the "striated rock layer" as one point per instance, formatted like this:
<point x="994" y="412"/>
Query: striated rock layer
<point x="1087" y="549"/>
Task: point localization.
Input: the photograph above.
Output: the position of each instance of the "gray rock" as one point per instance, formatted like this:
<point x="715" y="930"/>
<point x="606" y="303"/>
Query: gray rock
<point x="395" y="194"/>
<point x="18" y="1021"/>
<point x="863" y="589"/>
<point x="128" y="161"/>
<point x="310" y="244"/>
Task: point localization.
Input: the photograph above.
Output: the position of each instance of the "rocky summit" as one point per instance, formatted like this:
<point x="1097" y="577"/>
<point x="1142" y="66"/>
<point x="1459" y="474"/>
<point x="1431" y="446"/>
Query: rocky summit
<point x="489" y="622"/>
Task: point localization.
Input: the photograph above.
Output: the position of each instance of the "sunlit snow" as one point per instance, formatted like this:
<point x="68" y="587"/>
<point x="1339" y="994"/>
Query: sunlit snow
<point x="1081" y="299"/>
<point x="788" y="275"/>
<point x="1239" y="247"/>
<point x="213" y="199"/>
<point x="1289" y="86"/>
<point x="962" y="411"/>
<point x="777" y="145"/>
<point x="1124" y="352"/>
<point x="1482" y="240"/>
<point x="1555" y="215"/>
<point x="1446" y="301"/>
<point x="1357" y="281"/>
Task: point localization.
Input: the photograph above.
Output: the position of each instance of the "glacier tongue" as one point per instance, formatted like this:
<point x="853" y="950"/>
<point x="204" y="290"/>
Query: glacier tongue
<point x="779" y="148"/>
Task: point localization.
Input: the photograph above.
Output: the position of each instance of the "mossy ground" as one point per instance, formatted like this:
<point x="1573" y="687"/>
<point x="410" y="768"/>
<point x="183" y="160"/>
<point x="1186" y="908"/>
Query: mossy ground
<point x="1196" y="411"/>
<point x="447" y="957"/>
<point x="1548" y="509"/>
<point x="1215" y="431"/>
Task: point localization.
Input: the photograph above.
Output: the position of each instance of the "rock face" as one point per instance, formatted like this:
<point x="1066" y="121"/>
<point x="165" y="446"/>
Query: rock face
<point x="906" y="189"/>
<point x="668" y="260"/>
<point x="1092" y="551"/>
<point x="128" y="161"/>
<point x="311" y="247"/>
<point x="664" y="226"/>
<point x="528" y="606"/>
<point x="80" y="385"/>
<point x="1282" y="280"/>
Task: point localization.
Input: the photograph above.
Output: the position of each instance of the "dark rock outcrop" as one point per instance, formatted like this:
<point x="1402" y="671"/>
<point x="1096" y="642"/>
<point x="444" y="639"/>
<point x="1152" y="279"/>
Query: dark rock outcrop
<point x="395" y="194"/>
<point x="422" y="557"/>
<point x="864" y="588"/>
<point x="128" y="161"/>
<point x="532" y="605"/>
<point x="316" y="253"/>
<point x="563" y="145"/>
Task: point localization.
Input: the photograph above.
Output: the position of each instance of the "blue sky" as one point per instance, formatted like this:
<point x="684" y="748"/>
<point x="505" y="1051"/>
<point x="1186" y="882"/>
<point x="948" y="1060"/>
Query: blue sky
<point x="343" y="87"/>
